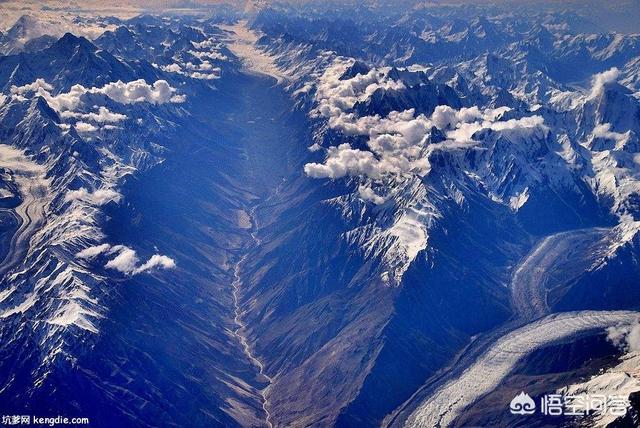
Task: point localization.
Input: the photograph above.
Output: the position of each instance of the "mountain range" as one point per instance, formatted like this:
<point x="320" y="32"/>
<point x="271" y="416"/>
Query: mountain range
<point x="288" y="216"/>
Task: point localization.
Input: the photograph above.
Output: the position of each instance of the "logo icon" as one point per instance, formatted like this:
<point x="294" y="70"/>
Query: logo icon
<point x="522" y="404"/>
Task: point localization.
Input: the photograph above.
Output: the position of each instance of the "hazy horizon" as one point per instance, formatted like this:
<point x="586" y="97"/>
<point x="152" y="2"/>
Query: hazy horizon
<point x="618" y="15"/>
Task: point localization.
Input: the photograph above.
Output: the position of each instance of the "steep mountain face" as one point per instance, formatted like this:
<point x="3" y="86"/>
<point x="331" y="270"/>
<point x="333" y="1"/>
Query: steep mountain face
<point x="70" y="61"/>
<point x="299" y="220"/>
<point x="441" y="202"/>
<point x="70" y="152"/>
<point x="25" y="34"/>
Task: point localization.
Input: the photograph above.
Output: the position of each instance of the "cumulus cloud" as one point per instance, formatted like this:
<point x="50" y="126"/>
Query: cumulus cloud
<point x="38" y="84"/>
<point x="205" y="65"/>
<point x="98" y="198"/>
<point x="626" y="337"/>
<point x="445" y="117"/>
<point x="315" y="147"/>
<point x="604" y="131"/>
<point x="91" y="252"/>
<point x="633" y="339"/>
<point x="104" y="115"/>
<point x="62" y="102"/>
<point x="172" y="68"/>
<point x="367" y="194"/>
<point x="210" y="55"/>
<point x="126" y="260"/>
<point x="156" y="261"/>
<point x="600" y="80"/>
<point x="177" y="99"/>
<point x="343" y="161"/>
<point x="136" y="91"/>
<point x="203" y="76"/>
<point x="397" y="144"/>
<point x="465" y="125"/>
<point x="207" y="44"/>
<point x="84" y="127"/>
<point x="203" y="71"/>
<point x="334" y="96"/>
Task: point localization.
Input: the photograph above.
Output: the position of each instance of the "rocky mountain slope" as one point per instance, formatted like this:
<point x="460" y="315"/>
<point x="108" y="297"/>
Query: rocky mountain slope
<point x="278" y="217"/>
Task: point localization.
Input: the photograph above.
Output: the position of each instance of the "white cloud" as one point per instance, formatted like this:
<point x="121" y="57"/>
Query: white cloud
<point x="599" y="81"/>
<point x="98" y="198"/>
<point x="213" y="55"/>
<point x="444" y="117"/>
<point x="104" y="115"/>
<point x="335" y="96"/>
<point x="172" y="68"/>
<point x="177" y="99"/>
<point x="209" y="43"/>
<point x="522" y="127"/>
<point x="398" y="142"/>
<point x="367" y="194"/>
<point x="204" y="66"/>
<point x="127" y="261"/>
<point x="158" y="261"/>
<point x="65" y="101"/>
<point x="604" y="131"/>
<point x="633" y="339"/>
<point x="513" y="129"/>
<point x="90" y="31"/>
<point x="85" y="127"/>
<point x="626" y="337"/>
<point x="315" y="147"/>
<point x="203" y="71"/>
<point x="124" y="262"/>
<point x="203" y="76"/>
<point x="91" y="252"/>
<point x="464" y="132"/>
<point x="31" y="87"/>
<point x="343" y="161"/>
<point x="136" y="91"/>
